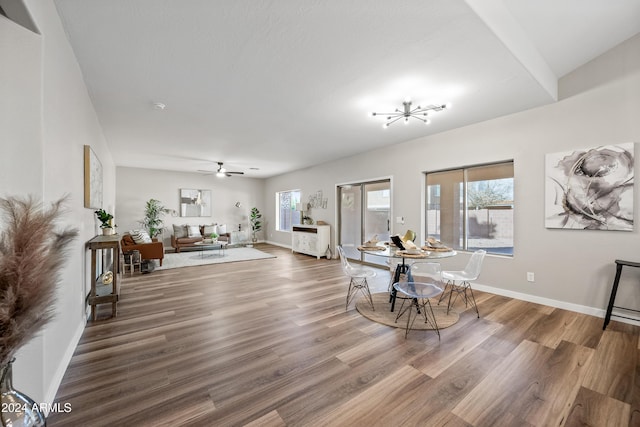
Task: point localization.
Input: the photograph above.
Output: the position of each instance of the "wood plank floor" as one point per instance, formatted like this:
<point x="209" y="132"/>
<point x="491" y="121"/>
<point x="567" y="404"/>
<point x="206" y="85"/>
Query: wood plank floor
<point x="269" y="343"/>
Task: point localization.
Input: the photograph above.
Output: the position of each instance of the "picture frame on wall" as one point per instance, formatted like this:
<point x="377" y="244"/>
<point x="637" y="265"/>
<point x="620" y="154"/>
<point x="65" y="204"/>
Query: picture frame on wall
<point x="195" y="202"/>
<point x="92" y="179"/>
<point x="590" y="189"/>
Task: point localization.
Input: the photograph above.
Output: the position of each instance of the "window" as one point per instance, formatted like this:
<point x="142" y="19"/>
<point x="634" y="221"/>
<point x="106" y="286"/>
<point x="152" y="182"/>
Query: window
<point x="472" y="208"/>
<point x="287" y="209"/>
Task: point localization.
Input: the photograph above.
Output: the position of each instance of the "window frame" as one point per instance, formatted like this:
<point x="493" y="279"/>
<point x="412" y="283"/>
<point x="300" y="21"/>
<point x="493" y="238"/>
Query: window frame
<point x="293" y="219"/>
<point x="464" y="227"/>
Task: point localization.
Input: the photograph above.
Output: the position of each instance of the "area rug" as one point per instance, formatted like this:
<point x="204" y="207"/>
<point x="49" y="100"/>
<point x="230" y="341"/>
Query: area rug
<point x="191" y="258"/>
<point x="382" y="313"/>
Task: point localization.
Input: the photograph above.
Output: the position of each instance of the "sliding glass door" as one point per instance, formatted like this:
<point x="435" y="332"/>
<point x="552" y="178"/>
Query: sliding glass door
<point x="364" y="213"/>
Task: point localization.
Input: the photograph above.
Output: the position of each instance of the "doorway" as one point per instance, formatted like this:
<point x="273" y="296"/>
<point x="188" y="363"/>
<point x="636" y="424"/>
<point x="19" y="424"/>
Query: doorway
<point x="364" y="211"/>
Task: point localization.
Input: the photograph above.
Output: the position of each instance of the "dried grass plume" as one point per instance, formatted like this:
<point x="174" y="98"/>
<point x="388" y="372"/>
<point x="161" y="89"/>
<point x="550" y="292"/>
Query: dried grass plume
<point x="32" y="253"/>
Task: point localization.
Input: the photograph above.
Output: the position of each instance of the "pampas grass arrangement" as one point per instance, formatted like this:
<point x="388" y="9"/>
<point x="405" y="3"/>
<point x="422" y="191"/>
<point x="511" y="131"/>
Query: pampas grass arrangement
<point x="32" y="253"/>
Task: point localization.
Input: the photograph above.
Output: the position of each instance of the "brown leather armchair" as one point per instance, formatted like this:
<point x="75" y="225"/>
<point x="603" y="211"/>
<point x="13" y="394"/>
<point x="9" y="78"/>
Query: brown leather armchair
<point x="153" y="250"/>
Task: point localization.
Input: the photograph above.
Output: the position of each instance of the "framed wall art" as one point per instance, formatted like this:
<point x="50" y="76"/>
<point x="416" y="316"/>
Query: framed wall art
<point x="590" y="189"/>
<point x="195" y="202"/>
<point x="92" y="179"/>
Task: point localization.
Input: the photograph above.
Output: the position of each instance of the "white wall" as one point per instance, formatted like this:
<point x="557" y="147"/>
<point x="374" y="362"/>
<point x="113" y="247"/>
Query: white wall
<point x="572" y="268"/>
<point x="46" y="117"/>
<point x="136" y="186"/>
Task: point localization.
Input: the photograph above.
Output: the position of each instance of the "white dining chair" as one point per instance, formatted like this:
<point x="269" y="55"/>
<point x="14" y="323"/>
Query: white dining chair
<point x="425" y="283"/>
<point x="357" y="279"/>
<point x="464" y="278"/>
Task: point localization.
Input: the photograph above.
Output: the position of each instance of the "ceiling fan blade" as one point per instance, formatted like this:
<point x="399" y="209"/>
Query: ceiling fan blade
<point x="206" y="172"/>
<point x="223" y="170"/>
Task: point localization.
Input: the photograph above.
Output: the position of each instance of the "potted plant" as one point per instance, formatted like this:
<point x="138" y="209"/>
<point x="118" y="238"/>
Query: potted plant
<point x="153" y="212"/>
<point x="256" y="223"/>
<point x="107" y="222"/>
<point x="213" y="238"/>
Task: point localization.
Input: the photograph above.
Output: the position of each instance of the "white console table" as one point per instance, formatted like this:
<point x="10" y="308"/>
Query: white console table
<point x="310" y="239"/>
<point x="239" y="237"/>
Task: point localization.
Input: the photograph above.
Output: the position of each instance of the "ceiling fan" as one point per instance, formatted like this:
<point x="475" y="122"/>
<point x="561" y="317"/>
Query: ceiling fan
<point x="222" y="171"/>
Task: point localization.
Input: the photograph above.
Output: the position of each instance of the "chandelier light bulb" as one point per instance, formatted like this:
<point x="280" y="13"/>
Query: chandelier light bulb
<point x="407" y="112"/>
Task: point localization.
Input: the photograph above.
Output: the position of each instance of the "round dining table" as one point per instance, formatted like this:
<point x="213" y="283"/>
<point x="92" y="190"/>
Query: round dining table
<point x="389" y="250"/>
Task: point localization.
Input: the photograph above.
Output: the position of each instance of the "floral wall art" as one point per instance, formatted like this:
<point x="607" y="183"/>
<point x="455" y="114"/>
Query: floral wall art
<point x="590" y="189"/>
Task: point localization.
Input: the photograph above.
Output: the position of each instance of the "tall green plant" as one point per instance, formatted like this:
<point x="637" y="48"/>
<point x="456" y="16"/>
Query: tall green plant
<point x="153" y="212"/>
<point x="256" y="223"/>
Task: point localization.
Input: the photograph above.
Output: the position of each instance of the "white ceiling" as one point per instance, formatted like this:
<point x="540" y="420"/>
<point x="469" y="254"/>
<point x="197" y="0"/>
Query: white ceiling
<point x="283" y="85"/>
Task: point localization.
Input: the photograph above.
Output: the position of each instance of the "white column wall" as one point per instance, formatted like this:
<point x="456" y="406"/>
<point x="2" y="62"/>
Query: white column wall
<point x="46" y="117"/>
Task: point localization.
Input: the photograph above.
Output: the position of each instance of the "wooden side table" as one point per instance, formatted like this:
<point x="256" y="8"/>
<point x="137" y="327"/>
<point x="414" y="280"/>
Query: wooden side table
<point x="104" y="294"/>
<point x="134" y="260"/>
<point x="614" y="290"/>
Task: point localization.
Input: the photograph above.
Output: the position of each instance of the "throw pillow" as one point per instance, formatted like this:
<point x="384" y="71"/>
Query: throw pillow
<point x="193" y="231"/>
<point x="222" y="229"/>
<point x="180" y="231"/>
<point x="209" y="229"/>
<point x="127" y="240"/>
<point x="140" y="236"/>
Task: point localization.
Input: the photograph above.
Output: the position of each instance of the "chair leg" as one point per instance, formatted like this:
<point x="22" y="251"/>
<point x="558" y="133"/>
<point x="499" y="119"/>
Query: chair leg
<point x="349" y="294"/>
<point x="407" y="310"/>
<point x="361" y="285"/>
<point x="462" y="289"/>
<point x="368" y="294"/>
<point x="426" y="303"/>
<point x="409" y="323"/>
<point x="444" y="291"/>
<point x="451" y="289"/>
<point x="426" y="309"/>
<point x="473" y="298"/>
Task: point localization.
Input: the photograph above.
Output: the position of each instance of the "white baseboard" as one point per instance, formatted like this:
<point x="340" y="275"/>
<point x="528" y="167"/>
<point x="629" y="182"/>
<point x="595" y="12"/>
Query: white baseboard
<point x="592" y="311"/>
<point x="64" y="363"/>
<point x="278" y="244"/>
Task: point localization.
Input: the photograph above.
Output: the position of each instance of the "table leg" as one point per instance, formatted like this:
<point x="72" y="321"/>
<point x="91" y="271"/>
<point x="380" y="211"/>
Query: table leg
<point x="400" y="269"/>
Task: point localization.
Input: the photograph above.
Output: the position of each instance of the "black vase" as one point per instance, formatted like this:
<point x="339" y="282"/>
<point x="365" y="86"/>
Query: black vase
<point x="18" y="409"/>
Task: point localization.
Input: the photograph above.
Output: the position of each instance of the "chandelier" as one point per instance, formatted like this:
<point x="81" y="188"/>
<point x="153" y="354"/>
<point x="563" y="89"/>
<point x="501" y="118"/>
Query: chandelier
<point x="418" y="113"/>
